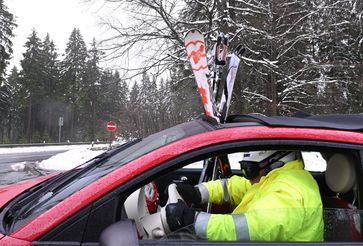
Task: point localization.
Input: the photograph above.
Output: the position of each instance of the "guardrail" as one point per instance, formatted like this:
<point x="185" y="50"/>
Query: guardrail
<point x="50" y="144"/>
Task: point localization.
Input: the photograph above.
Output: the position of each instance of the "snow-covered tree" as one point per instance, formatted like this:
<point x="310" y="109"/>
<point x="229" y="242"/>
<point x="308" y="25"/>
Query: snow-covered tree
<point x="295" y="53"/>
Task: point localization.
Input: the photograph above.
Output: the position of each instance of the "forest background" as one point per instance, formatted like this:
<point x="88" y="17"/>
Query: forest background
<point x="300" y="56"/>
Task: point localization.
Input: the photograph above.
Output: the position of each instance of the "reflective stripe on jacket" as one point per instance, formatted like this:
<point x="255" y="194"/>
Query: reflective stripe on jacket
<point x="284" y="206"/>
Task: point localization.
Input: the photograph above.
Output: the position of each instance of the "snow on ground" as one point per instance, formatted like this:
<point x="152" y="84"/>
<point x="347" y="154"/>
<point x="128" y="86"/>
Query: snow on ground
<point x="69" y="159"/>
<point x="40" y="148"/>
<point x="19" y="166"/>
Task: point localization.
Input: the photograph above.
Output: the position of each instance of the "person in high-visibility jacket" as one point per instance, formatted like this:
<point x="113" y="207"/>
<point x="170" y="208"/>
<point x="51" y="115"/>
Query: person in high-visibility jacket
<point x="276" y="200"/>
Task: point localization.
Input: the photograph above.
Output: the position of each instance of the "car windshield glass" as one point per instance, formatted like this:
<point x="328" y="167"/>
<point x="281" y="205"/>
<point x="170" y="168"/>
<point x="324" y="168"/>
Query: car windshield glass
<point x="91" y="172"/>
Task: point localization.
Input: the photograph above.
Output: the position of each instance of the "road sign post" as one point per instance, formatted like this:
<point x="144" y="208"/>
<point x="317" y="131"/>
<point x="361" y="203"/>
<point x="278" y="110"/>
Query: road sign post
<point x="111" y="127"/>
<point x="60" y="124"/>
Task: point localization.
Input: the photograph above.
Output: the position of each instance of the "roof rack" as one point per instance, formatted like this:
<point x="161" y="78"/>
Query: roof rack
<point x="351" y="122"/>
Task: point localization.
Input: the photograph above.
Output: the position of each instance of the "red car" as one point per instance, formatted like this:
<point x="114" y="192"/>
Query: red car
<point x="121" y="193"/>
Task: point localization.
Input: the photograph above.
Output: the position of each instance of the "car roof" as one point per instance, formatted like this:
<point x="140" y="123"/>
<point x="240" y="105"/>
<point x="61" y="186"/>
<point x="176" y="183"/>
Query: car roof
<point x="349" y="122"/>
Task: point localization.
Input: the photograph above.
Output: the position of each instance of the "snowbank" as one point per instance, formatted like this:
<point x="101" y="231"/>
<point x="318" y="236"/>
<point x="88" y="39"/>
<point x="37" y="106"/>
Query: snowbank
<point x="69" y="159"/>
<point x="40" y="148"/>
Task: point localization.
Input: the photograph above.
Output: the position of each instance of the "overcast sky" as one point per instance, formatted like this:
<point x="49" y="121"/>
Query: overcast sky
<point x="56" y="17"/>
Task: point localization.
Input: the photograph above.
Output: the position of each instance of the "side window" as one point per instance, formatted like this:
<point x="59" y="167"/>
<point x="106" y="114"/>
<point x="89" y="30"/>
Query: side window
<point x="234" y="159"/>
<point x="102" y="215"/>
<point x="313" y="161"/>
<point x="70" y="230"/>
<point x="86" y="225"/>
<point x="342" y="214"/>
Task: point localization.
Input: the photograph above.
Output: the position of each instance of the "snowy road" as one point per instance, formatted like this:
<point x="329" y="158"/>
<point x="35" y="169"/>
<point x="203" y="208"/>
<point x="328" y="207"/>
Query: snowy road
<point x="15" y="167"/>
<point x="10" y="158"/>
<point x="9" y="176"/>
<point x="17" y="164"/>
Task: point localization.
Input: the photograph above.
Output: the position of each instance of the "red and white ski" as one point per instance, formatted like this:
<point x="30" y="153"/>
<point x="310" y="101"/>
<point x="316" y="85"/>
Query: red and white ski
<point x="195" y="46"/>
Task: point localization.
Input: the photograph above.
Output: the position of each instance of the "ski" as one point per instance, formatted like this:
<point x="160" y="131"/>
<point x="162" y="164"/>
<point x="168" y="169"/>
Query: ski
<point x="228" y="86"/>
<point x="218" y="57"/>
<point x="195" y="46"/>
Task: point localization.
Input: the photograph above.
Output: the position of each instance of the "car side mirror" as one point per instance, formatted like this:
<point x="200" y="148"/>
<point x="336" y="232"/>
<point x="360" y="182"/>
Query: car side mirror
<point x="121" y="233"/>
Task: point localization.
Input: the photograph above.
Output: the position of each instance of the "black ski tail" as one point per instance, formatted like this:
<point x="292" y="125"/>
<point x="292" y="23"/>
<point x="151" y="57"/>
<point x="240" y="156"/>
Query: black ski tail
<point x="220" y="60"/>
<point x="238" y="52"/>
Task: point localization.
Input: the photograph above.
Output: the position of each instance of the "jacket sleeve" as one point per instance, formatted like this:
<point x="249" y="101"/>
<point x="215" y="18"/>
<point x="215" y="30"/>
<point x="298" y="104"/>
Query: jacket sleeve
<point x="230" y="191"/>
<point x="221" y="227"/>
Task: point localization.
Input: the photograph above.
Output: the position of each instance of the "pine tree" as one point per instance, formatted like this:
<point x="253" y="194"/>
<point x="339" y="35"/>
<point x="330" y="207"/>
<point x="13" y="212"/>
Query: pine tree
<point x="147" y="99"/>
<point x="163" y="105"/>
<point x="14" y="108"/>
<point x="119" y="90"/>
<point x="31" y="79"/>
<point x="134" y="109"/>
<point x="90" y="88"/>
<point x="7" y="25"/>
<point x="51" y="106"/>
<point x="73" y="73"/>
<point x="113" y="98"/>
<point x="4" y="110"/>
<point x="185" y="102"/>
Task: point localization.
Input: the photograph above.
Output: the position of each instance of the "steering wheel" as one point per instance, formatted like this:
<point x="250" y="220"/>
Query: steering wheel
<point x="150" y="226"/>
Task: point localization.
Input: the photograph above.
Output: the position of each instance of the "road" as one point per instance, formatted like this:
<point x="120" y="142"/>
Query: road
<point x="15" y="167"/>
<point x="29" y="157"/>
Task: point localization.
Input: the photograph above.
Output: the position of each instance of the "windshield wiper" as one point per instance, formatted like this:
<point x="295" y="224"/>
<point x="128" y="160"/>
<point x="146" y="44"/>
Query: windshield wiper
<point x="107" y="154"/>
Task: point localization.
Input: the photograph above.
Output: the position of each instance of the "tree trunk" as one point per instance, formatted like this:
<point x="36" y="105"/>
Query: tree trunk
<point x="272" y="85"/>
<point x="93" y="118"/>
<point x="271" y="80"/>
<point x="28" y="130"/>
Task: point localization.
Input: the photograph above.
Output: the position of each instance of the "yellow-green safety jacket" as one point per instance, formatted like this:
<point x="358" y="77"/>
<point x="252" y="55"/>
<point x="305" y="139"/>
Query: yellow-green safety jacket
<point x="285" y="205"/>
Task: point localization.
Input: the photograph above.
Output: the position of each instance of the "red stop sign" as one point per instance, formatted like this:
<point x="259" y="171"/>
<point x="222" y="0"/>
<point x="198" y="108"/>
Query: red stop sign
<point x="111" y="126"/>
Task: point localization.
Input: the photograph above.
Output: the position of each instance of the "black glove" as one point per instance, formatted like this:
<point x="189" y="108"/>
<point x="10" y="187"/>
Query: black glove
<point x="189" y="193"/>
<point x="179" y="215"/>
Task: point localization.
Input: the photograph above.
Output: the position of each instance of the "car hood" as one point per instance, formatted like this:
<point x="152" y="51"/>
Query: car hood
<point x="9" y="192"/>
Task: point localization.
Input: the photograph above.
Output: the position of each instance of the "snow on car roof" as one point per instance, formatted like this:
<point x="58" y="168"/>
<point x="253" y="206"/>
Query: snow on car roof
<point x="351" y="122"/>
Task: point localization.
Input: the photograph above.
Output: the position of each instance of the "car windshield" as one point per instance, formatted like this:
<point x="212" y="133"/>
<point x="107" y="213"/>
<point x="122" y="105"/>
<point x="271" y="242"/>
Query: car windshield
<point x="46" y="198"/>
